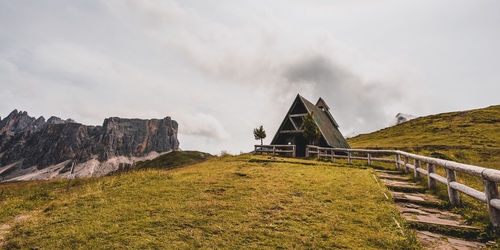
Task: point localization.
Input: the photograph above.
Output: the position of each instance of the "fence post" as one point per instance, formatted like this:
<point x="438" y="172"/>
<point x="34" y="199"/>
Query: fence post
<point x="397" y="162"/>
<point x="274" y="150"/>
<point x="294" y="154"/>
<point x="491" y="191"/>
<point x="430" y="170"/>
<point x="333" y="156"/>
<point x="406" y="164"/>
<point x="452" y="193"/>
<point x="307" y="151"/>
<point x="319" y="152"/>
<point x="369" y="159"/>
<point x="349" y="161"/>
<point x="417" y="165"/>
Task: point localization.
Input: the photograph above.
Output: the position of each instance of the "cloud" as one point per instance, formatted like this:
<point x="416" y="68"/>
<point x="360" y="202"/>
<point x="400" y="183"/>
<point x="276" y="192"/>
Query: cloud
<point x="222" y="69"/>
<point x="202" y="125"/>
<point x="217" y="79"/>
<point x="361" y="104"/>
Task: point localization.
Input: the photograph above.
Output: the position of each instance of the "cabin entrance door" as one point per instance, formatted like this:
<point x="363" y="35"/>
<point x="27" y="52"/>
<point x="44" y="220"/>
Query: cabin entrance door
<point x="300" y="146"/>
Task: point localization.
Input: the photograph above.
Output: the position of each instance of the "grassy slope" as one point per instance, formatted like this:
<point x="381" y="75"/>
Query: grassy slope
<point x="471" y="137"/>
<point x="21" y="197"/>
<point x="174" y="160"/>
<point x="223" y="202"/>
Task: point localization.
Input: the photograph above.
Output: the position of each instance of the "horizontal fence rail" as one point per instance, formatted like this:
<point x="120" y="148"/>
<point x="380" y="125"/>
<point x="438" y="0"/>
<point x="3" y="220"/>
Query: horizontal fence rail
<point x="274" y="149"/>
<point x="403" y="161"/>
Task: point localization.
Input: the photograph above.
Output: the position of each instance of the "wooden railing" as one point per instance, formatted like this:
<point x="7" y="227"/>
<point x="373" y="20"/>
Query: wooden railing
<point x="275" y="149"/>
<point x="490" y="177"/>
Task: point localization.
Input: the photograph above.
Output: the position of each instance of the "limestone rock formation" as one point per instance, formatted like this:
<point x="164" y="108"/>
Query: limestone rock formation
<point x="401" y="118"/>
<point x="33" y="148"/>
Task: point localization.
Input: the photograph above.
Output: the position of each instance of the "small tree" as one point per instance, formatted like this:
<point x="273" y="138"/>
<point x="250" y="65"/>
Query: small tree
<point x="259" y="133"/>
<point x="311" y="132"/>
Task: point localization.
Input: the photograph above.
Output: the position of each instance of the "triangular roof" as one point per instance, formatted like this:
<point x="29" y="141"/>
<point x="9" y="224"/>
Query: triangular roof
<point x="322" y="104"/>
<point x="327" y="126"/>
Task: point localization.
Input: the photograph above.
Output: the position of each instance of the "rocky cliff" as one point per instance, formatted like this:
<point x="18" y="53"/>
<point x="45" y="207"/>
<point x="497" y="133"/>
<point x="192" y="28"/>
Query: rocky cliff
<point x="33" y="148"/>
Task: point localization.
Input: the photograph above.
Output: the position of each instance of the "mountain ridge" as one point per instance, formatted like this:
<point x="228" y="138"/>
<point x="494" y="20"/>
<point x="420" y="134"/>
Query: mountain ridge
<point x="29" y="145"/>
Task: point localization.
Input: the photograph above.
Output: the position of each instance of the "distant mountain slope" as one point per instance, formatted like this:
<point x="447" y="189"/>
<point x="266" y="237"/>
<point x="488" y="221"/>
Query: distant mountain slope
<point x="33" y="149"/>
<point x="471" y="136"/>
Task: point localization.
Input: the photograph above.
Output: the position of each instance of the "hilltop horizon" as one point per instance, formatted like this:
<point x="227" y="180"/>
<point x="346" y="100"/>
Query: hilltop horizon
<point x="389" y="123"/>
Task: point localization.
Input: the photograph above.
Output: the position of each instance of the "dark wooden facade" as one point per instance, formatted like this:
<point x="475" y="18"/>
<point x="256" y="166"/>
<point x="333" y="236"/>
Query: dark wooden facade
<point x="291" y="129"/>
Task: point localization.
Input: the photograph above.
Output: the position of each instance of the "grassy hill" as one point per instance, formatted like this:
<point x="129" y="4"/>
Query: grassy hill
<point x="223" y="202"/>
<point x="190" y="199"/>
<point x="174" y="159"/>
<point x="469" y="136"/>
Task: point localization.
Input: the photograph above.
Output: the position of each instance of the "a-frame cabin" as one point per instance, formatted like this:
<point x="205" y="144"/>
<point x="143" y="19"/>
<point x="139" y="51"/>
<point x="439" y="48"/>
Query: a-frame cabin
<point x="290" y="130"/>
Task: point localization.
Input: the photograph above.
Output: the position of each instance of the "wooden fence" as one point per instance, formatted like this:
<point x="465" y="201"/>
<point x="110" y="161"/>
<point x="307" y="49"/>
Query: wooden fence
<point x="275" y="149"/>
<point x="490" y="177"/>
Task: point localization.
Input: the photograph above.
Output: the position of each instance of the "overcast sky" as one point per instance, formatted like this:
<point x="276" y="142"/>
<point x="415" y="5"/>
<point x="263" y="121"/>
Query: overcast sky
<point x="221" y="68"/>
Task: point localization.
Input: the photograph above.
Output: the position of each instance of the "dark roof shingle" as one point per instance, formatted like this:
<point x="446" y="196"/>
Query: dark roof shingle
<point x="327" y="125"/>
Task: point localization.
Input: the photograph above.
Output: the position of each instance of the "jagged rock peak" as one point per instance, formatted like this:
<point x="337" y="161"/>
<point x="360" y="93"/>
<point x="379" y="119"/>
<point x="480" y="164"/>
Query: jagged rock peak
<point x="20" y="121"/>
<point x="60" y="141"/>
<point x="17" y="121"/>
<point x="55" y="120"/>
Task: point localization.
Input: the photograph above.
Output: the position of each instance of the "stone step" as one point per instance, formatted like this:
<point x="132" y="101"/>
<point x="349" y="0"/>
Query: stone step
<point x="388" y="176"/>
<point x="437" y="221"/>
<point x="425" y="200"/>
<point x="392" y="172"/>
<point x="436" y="229"/>
<point x="403" y="186"/>
<point x="438" y="241"/>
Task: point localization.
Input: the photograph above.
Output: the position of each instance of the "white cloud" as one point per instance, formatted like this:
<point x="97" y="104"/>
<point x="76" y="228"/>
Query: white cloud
<point x="203" y="125"/>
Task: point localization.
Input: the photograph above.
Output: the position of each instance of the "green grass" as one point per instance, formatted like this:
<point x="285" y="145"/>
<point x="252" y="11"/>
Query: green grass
<point x="474" y="128"/>
<point x="224" y="202"/>
<point x="471" y="137"/>
<point x="23" y="197"/>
